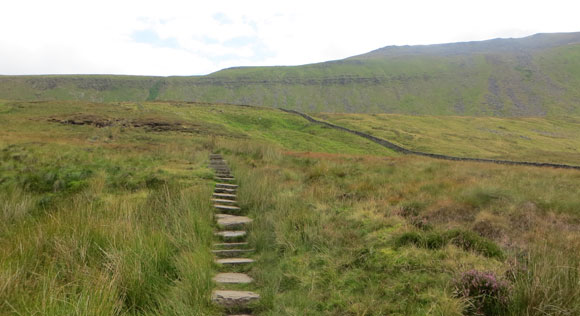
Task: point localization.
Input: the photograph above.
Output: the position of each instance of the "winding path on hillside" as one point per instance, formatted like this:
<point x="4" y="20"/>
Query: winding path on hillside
<point x="406" y="151"/>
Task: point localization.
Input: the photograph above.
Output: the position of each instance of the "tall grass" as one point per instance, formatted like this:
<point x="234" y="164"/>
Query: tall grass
<point x="104" y="248"/>
<point x="328" y="232"/>
<point x="118" y="221"/>
<point x="547" y="282"/>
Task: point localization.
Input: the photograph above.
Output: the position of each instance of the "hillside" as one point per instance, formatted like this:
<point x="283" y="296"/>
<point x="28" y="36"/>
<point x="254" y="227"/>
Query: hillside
<point x="105" y="210"/>
<point x="548" y="140"/>
<point x="533" y="76"/>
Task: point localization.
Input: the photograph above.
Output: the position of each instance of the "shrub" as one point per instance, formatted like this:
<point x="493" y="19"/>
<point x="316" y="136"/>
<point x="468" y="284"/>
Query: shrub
<point x="70" y="179"/>
<point x="471" y="241"/>
<point x="124" y="180"/>
<point x="153" y="181"/>
<point x="412" y="209"/>
<point x="480" y="197"/>
<point x="410" y="238"/>
<point x="486" y="294"/>
<point x="421" y="222"/>
<point x="467" y="240"/>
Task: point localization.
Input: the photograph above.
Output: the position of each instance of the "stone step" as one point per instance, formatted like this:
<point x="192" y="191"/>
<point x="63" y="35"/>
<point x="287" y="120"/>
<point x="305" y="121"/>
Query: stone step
<point x="232" y="278"/>
<point x="224" y="190"/>
<point x="222" y="207"/>
<point x="234" y="261"/>
<point x="226" y="185"/>
<point x="223" y="201"/>
<point x="224" y="176"/>
<point x="232" y="299"/>
<point x="227" y="221"/>
<point x="230" y="253"/>
<point x="231" y="234"/>
<point x="220" y="167"/>
<point x="224" y="179"/>
<point x="230" y="244"/>
<point x="225" y="196"/>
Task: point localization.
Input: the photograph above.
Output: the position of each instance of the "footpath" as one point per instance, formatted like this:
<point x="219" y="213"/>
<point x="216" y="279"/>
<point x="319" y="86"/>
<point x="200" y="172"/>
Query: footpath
<point x="232" y="250"/>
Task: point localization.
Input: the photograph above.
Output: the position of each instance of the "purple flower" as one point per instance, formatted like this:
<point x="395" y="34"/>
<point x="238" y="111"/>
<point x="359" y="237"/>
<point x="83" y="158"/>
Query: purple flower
<point x="487" y="294"/>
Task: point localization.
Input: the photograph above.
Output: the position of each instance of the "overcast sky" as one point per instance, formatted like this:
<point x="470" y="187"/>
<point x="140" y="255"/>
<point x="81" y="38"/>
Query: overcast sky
<point x="167" y="37"/>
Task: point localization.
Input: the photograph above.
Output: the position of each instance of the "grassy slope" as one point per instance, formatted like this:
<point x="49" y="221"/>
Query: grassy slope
<point x="333" y="230"/>
<point x="116" y="220"/>
<point x="100" y="221"/>
<point x="525" y="80"/>
<point x="490" y="83"/>
<point x="553" y="139"/>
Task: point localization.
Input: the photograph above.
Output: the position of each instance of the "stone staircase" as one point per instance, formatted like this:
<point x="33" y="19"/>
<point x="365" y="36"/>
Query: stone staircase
<point x="231" y="252"/>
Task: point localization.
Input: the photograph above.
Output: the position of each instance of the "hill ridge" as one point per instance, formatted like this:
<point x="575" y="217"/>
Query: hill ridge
<point x="537" y="75"/>
<point x="535" y="41"/>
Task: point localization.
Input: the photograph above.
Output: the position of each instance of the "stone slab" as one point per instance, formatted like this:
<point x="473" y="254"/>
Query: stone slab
<point x="231" y="253"/>
<point x="230" y="244"/>
<point x="232" y="278"/>
<point x="226" y="207"/>
<point x="225" y="196"/>
<point x="232" y="220"/>
<point x="234" y="261"/>
<point x="223" y="201"/>
<point x="226" y="185"/>
<point x="230" y="299"/>
<point x="224" y="190"/>
<point x="231" y="233"/>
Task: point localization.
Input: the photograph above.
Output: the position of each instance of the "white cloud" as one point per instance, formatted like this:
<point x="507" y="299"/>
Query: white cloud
<point x="65" y="36"/>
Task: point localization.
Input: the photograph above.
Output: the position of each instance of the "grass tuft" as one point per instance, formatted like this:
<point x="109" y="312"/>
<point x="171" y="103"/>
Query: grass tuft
<point x="466" y="240"/>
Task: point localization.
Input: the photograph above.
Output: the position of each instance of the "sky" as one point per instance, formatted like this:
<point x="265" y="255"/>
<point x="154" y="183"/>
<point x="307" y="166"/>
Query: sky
<point x="183" y="38"/>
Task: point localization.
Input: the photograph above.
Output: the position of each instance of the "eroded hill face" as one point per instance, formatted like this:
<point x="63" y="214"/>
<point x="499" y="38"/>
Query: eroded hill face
<point x="533" y="76"/>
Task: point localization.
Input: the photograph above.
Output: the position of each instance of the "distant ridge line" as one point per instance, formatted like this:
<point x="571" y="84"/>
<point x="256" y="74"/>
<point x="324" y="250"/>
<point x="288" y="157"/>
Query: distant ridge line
<point x="403" y="150"/>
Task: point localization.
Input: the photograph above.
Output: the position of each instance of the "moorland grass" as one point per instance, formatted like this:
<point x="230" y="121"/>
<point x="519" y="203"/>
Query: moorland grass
<point x="329" y="230"/>
<point x="117" y="220"/>
<point x="104" y="249"/>
<point x="543" y="139"/>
